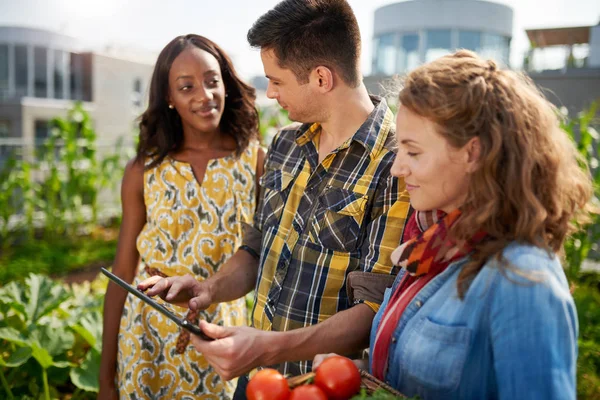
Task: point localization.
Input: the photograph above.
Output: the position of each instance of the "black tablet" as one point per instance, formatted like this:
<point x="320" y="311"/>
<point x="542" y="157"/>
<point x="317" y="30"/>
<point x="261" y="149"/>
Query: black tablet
<point x="182" y="322"/>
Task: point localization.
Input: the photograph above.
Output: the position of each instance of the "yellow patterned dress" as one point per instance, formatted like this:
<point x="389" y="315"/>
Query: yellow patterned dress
<point x="190" y="228"/>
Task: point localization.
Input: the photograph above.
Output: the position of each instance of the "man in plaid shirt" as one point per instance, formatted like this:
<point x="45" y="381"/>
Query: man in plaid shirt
<point x="330" y="213"/>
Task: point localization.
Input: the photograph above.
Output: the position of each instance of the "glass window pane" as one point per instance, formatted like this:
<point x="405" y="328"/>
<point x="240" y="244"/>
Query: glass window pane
<point x="374" y="53"/>
<point x="470" y="40"/>
<point x="136" y="96"/>
<point x="76" y="76"/>
<point x="408" y="53"/>
<point x="4" y="129"/>
<point x="3" y="68"/>
<point x="386" y="55"/>
<point x="438" y="44"/>
<point x="21" y="70"/>
<point x="6" y="150"/>
<point x="59" y="74"/>
<point x="495" y="47"/>
<point x="80" y="77"/>
<point x="40" y="56"/>
<point x="42" y="130"/>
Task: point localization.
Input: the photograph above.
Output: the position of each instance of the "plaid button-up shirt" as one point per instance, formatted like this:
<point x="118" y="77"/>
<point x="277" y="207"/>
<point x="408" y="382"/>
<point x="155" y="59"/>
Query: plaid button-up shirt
<point x="321" y="221"/>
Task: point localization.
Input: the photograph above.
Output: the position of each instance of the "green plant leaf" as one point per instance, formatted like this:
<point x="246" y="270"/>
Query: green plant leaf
<point x="41" y="356"/>
<point x="63" y="364"/>
<point x="90" y="328"/>
<point x="12" y="335"/>
<point x="43" y="296"/>
<point x="86" y="375"/>
<point x="54" y="340"/>
<point x="16" y="359"/>
<point x="12" y="296"/>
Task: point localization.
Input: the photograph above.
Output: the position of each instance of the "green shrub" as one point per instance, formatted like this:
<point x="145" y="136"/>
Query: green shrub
<point x="50" y="338"/>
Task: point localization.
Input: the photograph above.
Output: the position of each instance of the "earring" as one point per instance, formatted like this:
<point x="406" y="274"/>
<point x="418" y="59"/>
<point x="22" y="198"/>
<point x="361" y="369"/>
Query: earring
<point x="226" y="94"/>
<point x="171" y="106"/>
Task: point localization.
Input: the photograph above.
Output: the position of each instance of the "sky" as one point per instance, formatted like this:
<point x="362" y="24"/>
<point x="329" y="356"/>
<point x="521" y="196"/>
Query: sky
<point x="151" y="24"/>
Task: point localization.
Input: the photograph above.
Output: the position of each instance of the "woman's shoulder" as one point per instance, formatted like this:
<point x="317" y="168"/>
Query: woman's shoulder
<point x="527" y="266"/>
<point x="529" y="257"/>
<point x="250" y="152"/>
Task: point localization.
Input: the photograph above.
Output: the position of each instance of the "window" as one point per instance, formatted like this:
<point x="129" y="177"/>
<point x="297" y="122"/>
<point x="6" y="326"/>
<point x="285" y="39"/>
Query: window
<point x="408" y="53"/>
<point x="4" y="129"/>
<point x="470" y="40"/>
<point x="80" y="77"/>
<point x="76" y="77"/>
<point x="6" y="150"/>
<point x="59" y="74"/>
<point x="386" y="55"/>
<point x="40" y="57"/>
<point x="42" y="131"/>
<point x="3" y="69"/>
<point x="21" y="70"/>
<point x="438" y="44"/>
<point x="495" y="47"/>
<point x="137" y="92"/>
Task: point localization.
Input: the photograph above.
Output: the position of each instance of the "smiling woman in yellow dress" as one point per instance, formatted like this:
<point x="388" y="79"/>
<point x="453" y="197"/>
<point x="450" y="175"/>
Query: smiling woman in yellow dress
<point x="185" y="196"/>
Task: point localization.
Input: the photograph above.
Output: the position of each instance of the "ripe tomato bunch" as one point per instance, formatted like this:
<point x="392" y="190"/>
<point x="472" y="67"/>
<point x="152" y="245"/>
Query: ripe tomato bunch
<point x="337" y="378"/>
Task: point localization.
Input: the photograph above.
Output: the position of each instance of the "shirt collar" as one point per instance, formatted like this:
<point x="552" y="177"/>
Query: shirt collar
<point x="372" y="134"/>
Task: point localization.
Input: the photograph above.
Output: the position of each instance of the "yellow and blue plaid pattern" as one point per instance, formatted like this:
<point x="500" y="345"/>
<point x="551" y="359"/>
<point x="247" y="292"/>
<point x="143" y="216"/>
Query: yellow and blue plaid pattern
<point x="320" y="222"/>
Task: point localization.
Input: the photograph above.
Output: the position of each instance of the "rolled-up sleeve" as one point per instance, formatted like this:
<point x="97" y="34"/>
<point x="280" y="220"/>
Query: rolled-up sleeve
<point x="384" y="232"/>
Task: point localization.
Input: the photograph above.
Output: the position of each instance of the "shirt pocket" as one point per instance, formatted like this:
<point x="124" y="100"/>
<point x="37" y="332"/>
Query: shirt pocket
<point x="274" y="183"/>
<point x="434" y="355"/>
<point x="340" y="225"/>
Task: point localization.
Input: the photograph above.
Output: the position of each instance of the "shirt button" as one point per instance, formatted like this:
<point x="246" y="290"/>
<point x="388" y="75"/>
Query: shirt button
<point x="393" y="340"/>
<point x="418" y="303"/>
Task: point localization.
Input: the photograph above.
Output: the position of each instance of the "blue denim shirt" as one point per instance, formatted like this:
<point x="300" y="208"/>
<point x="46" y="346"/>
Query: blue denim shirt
<point x="511" y="337"/>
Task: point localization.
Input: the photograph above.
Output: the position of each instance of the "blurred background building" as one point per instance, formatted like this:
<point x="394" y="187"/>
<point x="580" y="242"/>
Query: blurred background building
<point x="410" y="33"/>
<point x="43" y="72"/>
<point x="564" y="62"/>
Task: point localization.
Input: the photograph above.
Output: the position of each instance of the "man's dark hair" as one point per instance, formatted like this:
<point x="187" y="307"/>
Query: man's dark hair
<point x="304" y="34"/>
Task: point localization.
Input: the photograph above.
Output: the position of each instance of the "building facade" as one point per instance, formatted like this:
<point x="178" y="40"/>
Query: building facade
<point x="42" y="73"/>
<point x="565" y="63"/>
<point x="410" y="33"/>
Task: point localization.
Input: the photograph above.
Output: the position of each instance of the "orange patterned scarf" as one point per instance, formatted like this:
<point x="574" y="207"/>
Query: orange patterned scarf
<point x="423" y="256"/>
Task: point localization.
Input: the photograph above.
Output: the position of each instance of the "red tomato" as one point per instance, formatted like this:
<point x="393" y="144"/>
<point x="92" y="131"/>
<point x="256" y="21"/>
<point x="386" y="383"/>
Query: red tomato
<point x="308" y="392"/>
<point x="268" y="384"/>
<point x="338" y="377"/>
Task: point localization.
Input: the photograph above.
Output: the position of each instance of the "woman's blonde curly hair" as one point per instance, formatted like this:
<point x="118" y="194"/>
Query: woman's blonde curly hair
<point x="530" y="185"/>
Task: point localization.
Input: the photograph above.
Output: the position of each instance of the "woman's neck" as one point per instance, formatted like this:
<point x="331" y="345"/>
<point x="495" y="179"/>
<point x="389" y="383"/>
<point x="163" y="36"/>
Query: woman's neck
<point x="196" y="140"/>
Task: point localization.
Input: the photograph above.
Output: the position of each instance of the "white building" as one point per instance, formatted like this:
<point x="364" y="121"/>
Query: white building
<point x="42" y="73"/>
<point x="410" y="33"/>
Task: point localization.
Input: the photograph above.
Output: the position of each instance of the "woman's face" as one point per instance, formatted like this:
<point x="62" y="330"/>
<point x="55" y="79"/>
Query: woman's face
<point x="435" y="173"/>
<point x="196" y="90"/>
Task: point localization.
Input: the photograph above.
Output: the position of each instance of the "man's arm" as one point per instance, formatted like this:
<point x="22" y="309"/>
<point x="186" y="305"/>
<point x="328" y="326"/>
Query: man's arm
<point x="238" y="350"/>
<point x="235" y="279"/>
<point x="345" y="332"/>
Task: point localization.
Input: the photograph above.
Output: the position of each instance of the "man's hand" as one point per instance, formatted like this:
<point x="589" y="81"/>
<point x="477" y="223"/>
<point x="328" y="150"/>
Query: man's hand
<point x="235" y="350"/>
<point x="184" y="291"/>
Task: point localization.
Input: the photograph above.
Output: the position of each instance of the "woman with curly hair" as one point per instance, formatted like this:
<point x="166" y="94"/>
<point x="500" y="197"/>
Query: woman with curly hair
<point x="185" y="196"/>
<point x="481" y="307"/>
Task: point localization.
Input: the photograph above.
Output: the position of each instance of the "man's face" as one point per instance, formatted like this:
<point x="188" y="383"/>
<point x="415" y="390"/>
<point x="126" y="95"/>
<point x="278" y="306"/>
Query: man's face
<point x="298" y="99"/>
